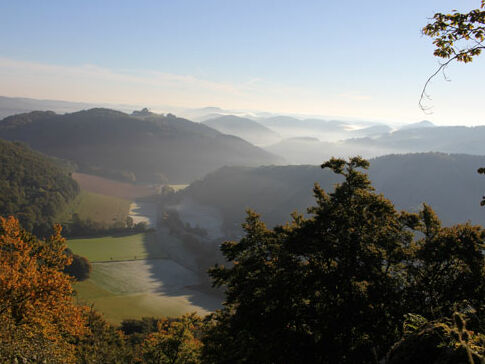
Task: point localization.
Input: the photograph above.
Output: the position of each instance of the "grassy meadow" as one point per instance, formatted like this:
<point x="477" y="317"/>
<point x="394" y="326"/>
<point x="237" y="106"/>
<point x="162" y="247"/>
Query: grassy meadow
<point x="131" y="276"/>
<point x="117" y="248"/>
<point x="136" y="289"/>
<point x="97" y="207"/>
<point x="152" y="285"/>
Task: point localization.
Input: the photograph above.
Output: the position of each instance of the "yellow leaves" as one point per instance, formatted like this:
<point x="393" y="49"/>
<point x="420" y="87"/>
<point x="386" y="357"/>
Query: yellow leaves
<point x="360" y="286"/>
<point x="457" y="36"/>
<point x="175" y="341"/>
<point x="35" y="295"/>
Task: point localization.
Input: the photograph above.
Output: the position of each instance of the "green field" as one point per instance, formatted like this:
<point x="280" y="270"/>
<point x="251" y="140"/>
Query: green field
<point x="116" y="308"/>
<point x="117" y="248"/>
<point x="131" y="278"/>
<point x="125" y="290"/>
<point x="99" y="208"/>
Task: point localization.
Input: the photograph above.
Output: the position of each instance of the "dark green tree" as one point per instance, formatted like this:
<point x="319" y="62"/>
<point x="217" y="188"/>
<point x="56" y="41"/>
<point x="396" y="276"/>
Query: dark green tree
<point x="335" y="287"/>
<point x="447" y="269"/>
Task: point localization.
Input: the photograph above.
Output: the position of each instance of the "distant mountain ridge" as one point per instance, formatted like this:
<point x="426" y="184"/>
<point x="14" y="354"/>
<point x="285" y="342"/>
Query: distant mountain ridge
<point x="371" y="131"/>
<point x="244" y="128"/>
<point x="446" y="139"/>
<point x="414" y="138"/>
<point x="148" y="147"/>
<point x="420" y="124"/>
<point x="17" y="105"/>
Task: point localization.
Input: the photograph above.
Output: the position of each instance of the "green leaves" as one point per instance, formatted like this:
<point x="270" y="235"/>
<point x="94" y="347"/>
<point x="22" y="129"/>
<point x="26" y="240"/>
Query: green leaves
<point x="457" y="37"/>
<point x="335" y="286"/>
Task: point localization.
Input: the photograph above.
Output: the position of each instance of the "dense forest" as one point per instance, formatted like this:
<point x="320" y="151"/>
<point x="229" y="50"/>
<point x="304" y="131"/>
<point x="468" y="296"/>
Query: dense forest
<point x="33" y="187"/>
<point x="142" y="147"/>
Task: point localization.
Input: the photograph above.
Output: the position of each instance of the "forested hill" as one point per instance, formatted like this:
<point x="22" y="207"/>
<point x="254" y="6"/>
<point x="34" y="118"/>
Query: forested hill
<point x="449" y="183"/>
<point x="142" y="146"/>
<point x="245" y="128"/>
<point x="32" y="187"/>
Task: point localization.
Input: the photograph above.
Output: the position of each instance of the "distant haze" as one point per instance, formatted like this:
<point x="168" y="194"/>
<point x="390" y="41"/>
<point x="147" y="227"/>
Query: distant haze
<point x="338" y="60"/>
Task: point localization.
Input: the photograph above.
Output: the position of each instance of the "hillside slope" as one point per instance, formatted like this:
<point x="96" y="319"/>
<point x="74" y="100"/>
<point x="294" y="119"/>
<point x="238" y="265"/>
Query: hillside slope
<point x="143" y="147"/>
<point x="449" y="183"/>
<point x="245" y="128"/>
<point x="32" y="187"/>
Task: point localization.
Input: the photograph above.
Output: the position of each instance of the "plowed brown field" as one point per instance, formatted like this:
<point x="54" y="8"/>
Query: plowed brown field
<point x="110" y="187"/>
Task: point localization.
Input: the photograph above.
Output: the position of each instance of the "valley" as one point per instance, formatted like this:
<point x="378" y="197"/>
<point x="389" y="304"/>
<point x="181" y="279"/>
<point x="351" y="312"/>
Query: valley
<point x="242" y="182"/>
<point x="151" y="243"/>
<point x="135" y="275"/>
<point x="142" y="246"/>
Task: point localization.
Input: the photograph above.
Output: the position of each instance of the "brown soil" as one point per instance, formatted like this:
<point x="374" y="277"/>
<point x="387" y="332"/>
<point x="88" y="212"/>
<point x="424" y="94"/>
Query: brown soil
<point x="110" y="187"/>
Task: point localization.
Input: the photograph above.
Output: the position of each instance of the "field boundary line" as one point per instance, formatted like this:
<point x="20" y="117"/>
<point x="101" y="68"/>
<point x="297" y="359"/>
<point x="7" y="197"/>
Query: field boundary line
<point x="128" y="260"/>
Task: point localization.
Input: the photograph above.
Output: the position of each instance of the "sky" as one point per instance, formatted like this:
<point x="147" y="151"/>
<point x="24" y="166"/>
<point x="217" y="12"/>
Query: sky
<point x="364" y="60"/>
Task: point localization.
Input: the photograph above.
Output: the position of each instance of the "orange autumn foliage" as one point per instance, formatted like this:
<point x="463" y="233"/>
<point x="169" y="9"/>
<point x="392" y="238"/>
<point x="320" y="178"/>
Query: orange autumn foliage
<point x="38" y="319"/>
<point x="176" y="341"/>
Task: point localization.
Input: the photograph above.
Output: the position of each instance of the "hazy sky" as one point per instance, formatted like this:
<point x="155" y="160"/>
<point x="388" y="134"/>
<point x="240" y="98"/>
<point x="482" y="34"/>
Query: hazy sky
<point x="351" y="59"/>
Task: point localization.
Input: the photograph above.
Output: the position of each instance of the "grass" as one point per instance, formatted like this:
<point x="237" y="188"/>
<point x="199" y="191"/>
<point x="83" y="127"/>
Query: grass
<point x="117" y="248"/>
<point x="128" y="290"/>
<point x="122" y="288"/>
<point x="97" y="207"/>
<point x="117" y="308"/>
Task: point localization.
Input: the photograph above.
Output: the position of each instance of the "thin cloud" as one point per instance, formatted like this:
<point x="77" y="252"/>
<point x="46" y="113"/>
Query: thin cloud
<point x="355" y="96"/>
<point x="94" y="84"/>
<point x="91" y="83"/>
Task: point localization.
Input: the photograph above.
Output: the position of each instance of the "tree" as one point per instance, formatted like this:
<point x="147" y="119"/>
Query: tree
<point x="457" y="37"/>
<point x="37" y="315"/>
<point x="439" y="341"/>
<point x="129" y="222"/>
<point x="175" y="341"/>
<point x="102" y="343"/>
<point x="447" y="269"/>
<point x="334" y="287"/>
<point x="80" y="268"/>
